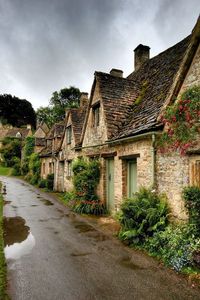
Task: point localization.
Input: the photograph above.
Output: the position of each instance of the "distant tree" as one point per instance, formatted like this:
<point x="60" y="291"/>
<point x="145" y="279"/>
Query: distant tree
<point x="15" y="111"/>
<point x="59" y="102"/>
<point x="46" y="114"/>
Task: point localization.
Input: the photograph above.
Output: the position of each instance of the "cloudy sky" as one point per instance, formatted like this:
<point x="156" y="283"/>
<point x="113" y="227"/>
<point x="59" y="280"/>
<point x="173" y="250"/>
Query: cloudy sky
<point x="46" y="45"/>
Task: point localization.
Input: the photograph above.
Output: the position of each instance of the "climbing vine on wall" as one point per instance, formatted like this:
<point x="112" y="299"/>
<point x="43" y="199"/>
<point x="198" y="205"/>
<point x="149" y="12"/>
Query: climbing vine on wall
<point x="182" y="122"/>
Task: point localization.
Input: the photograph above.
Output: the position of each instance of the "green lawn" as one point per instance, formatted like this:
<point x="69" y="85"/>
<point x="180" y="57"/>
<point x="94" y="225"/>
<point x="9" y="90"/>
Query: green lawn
<point x="3" y="295"/>
<point x="4" y="171"/>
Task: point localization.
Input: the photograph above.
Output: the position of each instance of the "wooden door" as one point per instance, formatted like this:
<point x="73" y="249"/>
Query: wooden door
<point x="110" y="184"/>
<point x="132" y="178"/>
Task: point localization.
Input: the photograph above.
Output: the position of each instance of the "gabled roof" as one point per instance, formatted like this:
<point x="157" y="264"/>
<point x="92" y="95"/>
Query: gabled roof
<point x="57" y="131"/>
<point x="118" y="95"/>
<point x="155" y="79"/>
<point x="77" y="118"/>
<point x="12" y="132"/>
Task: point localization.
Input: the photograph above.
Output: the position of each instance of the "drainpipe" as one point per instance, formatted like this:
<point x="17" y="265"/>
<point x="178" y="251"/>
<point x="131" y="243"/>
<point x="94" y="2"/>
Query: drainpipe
<point x="153" y="161"/>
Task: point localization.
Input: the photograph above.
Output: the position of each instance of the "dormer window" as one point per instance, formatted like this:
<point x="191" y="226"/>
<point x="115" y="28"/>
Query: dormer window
<point x="69" y="134"/>
<point x="96" y="114"/>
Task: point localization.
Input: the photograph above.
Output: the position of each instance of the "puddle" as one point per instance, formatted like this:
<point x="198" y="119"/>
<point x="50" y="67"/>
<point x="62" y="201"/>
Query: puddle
<point x="18" y="239"/>
<point x="6" y="202"/>
<point x="13" y="206"/>
<point x="46" y="202"/>
<point x="59" y="210"/>
<point x="127" y="263"/>
<point x="84" y="227"/>
<point x="34" y="205"/>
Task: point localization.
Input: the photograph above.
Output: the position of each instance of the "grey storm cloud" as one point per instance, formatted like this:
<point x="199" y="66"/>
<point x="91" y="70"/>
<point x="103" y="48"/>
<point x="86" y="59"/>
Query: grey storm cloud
<point x="46" y="44"/>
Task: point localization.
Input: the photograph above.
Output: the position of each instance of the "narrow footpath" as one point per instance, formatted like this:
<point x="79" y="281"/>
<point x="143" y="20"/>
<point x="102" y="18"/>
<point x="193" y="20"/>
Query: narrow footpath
<point x="54" y="254"/>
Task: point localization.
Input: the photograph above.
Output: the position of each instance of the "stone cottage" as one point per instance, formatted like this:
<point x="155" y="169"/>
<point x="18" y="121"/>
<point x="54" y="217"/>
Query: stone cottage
<point x="49" y="153"/>
<point x="121" y="124"/>
<point x="40" y="136"/>
<point x="69" y="149"/>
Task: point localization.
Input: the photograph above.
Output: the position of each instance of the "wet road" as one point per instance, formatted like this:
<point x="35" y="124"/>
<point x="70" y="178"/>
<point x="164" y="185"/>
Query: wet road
<point x="55" y="254"/>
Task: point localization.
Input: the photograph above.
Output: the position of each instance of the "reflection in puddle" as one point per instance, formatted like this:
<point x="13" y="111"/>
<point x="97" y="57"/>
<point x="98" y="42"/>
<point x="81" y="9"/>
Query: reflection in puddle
<point x="17" y="250"/>
<point x="17" y="238"/>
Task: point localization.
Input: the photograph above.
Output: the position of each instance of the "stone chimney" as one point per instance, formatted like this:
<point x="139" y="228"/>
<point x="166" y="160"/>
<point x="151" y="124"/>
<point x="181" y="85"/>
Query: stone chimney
<point x="28" y="126"/>
<point x="83" y="99"/>
<point x="141" y="55"/>
<point x="116" y="73"/>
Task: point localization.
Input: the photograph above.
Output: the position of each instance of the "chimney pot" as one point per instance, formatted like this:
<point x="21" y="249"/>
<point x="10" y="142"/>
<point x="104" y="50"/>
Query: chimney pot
<point x="116" y="73"/>
<point x="142" y="54"/>
<point x="83" y="99"/>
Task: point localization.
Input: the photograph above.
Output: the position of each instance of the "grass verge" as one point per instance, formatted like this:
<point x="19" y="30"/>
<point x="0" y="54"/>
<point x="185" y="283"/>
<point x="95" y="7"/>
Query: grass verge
<point x="3" y="295"/>
<point x="4" y="171"/>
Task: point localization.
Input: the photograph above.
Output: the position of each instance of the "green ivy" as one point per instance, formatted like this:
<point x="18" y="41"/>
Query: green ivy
<point x="86" y="175"/>
<point x="182" y="122"/>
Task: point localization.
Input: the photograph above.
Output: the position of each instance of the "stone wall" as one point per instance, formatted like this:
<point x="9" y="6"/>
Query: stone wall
<point x="193" y="75"/>
<point x="47" y="166"/>
<point x="172" y="176"/>
<point x="95" y="135"/>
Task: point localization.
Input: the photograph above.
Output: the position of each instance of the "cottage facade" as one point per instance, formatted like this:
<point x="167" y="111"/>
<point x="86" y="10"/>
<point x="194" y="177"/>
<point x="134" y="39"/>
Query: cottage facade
<point x="120" y="124"/>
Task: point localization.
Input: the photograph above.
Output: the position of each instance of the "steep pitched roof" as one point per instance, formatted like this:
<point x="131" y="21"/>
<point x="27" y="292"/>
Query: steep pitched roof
<point x="78" y="117"/>
<point x="118" y="95"/>
<point x="155" y="79"/>
<point x="12" y="132"/>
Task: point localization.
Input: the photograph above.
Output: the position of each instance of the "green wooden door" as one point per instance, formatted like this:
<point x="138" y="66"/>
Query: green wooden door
<point x="110" y="184"/>
<point x="132" y="178"/>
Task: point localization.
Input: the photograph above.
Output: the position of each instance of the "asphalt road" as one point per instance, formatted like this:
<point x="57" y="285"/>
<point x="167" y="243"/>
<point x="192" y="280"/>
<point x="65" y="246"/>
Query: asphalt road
<point x="53" y="254"/>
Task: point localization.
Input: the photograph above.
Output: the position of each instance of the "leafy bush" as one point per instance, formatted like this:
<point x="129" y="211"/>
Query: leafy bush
<point x="42" y="183"/>
<point x="177" y="246"/>
<point x="142" y="216"/>
<point x="86" y="178"/>
<point x="33" y="176"/>
<point x="191" y="196"/>
<point x="90" y="207"/>
<point x="16" y="169"/>
<point x="69" y="196"/>
<point x="50" y="181"/>
<point x="11" y="147"/>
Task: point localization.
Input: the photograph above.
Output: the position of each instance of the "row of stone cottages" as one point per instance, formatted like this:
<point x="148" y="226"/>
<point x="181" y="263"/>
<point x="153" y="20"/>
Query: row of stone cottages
<point x="119" y="124"/>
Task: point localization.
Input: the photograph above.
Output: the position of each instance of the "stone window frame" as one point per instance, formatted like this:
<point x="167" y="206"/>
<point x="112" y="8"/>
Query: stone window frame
<point x="96" y="114"/>
<point x="69" y="169"/>
<point x="69" y="134"/>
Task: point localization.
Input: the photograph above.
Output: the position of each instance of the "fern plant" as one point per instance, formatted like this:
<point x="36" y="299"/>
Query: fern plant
<point x="143" y="215"/>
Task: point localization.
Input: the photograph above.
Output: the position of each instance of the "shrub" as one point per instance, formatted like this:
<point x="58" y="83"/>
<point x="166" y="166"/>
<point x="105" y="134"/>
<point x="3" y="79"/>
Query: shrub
<point x="191" y="196"/>
<point x="42" y="183"/>
<point x="86" y="178"/>
<point x="50" y="181"/>
<point x="16" y="169"/>
<point x="142" y="216"/>
<point x="90" y="207"/>
<point x="177" y="246"/>
<point x="69" y="196"/>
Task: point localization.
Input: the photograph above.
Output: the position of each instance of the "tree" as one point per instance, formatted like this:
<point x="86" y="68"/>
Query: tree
<point x="46" y="114"/>
<point x="15" y="111"/>
<point x="59" y="102"/>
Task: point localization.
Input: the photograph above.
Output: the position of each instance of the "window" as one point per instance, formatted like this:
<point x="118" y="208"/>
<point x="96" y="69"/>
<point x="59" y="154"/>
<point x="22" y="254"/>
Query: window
<point x="69" y="168"/>
<point x="96" y="115"/>
<point x="69" y="134"/>
<point x="195" y="173"/>
<point x="43" y="168"/>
